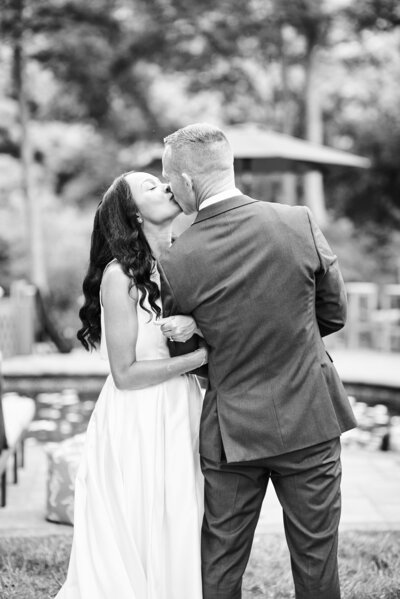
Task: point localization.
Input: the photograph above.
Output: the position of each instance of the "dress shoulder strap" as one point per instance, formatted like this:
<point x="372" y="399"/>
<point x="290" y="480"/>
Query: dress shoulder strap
<point x="112" y="263"/>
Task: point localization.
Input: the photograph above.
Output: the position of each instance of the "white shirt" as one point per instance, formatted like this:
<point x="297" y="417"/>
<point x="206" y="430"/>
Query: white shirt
<point x="224" y="195"/>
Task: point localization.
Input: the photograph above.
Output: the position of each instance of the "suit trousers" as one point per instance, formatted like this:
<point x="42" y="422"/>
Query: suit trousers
<point x="307" y="484"/>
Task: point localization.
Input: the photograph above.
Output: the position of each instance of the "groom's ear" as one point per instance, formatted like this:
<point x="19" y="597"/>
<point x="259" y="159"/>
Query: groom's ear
<point x="188" y="181"/>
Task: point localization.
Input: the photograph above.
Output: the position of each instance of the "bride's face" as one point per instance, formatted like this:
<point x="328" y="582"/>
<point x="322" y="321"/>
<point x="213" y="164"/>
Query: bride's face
<point x="154" y="200"/>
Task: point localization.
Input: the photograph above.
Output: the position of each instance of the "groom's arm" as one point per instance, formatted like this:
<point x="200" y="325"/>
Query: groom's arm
<point x="171" y="307"/>
<point x="168" y="299"/>
<point x="330" y="298"/>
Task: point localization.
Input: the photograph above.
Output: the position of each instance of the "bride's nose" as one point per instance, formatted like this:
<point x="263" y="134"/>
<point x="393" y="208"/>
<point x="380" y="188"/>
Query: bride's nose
<point x="168" y="188"/>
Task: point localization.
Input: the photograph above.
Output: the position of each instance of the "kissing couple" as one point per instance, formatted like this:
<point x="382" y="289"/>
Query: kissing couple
<point x="170" y="487"/>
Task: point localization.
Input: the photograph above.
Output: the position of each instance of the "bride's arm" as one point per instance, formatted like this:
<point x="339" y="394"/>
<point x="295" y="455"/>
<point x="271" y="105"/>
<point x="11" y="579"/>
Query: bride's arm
<point x="121" y="329"/>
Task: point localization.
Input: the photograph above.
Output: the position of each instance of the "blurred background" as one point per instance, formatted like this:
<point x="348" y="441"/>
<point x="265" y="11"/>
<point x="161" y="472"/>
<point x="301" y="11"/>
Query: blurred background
<point x="89" y="89"/>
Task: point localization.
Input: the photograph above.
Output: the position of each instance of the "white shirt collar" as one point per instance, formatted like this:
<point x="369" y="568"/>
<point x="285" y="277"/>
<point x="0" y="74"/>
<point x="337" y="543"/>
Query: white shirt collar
<point x="224" y="195"/>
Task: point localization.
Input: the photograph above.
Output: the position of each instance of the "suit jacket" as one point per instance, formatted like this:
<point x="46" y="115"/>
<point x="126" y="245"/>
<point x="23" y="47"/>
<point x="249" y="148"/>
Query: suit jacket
<point x="264" y="287"/>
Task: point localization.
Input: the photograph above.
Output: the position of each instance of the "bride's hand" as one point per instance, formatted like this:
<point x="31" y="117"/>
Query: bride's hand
<point x="178" y="328"/>
<point x="202" y="353"/>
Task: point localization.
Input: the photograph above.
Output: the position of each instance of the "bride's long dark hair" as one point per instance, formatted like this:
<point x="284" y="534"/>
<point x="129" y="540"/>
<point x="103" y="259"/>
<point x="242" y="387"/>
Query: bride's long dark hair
<point x="118" y="234"/>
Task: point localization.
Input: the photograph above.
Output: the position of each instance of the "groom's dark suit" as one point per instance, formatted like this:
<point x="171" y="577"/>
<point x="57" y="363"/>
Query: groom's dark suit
<point x="264" y="287"/>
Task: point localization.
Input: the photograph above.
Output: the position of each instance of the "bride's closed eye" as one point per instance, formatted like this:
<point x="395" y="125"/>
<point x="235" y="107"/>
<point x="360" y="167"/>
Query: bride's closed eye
<point x="149" y="185"/>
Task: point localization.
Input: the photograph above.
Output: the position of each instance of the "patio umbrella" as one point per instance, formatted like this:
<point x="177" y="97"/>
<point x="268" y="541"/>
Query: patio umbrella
<point x="258" y="150"/>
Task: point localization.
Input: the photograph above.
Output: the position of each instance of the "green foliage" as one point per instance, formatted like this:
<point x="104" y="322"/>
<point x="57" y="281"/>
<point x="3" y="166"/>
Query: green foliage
<point x="365" y="253"/>
<point x="68" y="241"/>
<point x="369" y="564"/>
<point x="106" y="77"/>
<point x="33" y="568"/>
<point x="367" y="116"/>
<point x="381" y="15"/>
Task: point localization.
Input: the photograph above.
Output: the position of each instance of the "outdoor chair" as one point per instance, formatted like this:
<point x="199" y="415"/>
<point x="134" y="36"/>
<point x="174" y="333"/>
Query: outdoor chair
<point x="362" y="307"/>
<point x="16" y="413"/>
<point x="390" y="318"/>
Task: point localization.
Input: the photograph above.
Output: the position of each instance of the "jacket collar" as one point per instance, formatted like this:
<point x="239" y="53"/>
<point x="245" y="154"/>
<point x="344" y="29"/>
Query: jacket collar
<point x="222" y="206"/>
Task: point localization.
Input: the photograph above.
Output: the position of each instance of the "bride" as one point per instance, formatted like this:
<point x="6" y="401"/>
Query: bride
<point x="139" y="490"/>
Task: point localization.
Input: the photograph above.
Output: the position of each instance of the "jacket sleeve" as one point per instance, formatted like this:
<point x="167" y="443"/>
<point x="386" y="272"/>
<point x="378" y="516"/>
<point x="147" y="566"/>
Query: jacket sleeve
<point x="169" y="302"/>
<point x="330" y="299"/>
<point x="171" y="308"/>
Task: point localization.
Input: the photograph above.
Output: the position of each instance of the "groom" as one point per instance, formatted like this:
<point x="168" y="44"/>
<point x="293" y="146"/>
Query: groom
<point x="264" y="288"/>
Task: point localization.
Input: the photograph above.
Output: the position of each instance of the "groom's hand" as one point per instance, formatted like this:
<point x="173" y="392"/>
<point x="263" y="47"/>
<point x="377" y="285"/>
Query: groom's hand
<point x="178" y="328"/>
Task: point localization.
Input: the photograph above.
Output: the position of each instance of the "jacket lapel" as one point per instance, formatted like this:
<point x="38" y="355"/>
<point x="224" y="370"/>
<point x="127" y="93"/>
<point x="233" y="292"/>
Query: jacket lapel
<point x="221" y="207"/>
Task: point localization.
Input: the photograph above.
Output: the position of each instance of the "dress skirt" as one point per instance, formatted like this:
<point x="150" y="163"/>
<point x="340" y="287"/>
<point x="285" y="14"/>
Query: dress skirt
<point x="139" y="496"/>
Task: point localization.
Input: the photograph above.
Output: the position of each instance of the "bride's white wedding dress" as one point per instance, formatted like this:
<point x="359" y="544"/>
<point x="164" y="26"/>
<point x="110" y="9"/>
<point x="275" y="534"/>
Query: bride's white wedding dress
<point x="139" y="489"/>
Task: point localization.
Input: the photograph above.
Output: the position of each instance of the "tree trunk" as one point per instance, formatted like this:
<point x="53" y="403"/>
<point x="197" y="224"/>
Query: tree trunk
<point x="37" y="274"/>
<point x="313" y="181"/>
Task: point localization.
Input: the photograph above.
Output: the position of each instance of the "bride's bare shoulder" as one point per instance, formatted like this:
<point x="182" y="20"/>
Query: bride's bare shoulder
<point x="116" y="285"/>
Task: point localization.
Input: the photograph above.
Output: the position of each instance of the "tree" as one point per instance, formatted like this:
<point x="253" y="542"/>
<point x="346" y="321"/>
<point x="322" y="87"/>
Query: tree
<point x="37" y="273"/>
<point x="374" y="15"/>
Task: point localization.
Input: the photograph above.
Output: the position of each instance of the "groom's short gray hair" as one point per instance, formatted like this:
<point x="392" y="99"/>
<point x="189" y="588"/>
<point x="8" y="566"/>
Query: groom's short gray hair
<point x="200" y="147"/>
<point x="198" y="133"/>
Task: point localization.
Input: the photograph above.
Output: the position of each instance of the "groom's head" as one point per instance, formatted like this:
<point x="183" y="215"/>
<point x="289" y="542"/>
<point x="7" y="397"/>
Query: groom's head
<point x="198" y="162"/>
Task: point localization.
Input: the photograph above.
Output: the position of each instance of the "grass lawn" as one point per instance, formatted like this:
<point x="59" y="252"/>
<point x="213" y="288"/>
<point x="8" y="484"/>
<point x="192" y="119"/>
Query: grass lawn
<point x="34" y="568"/>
